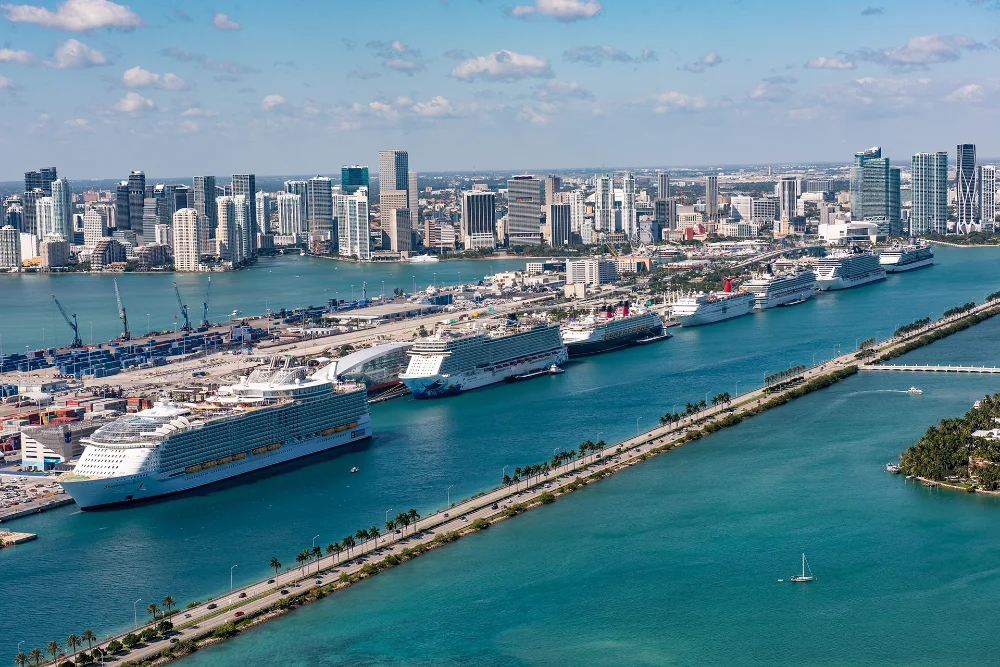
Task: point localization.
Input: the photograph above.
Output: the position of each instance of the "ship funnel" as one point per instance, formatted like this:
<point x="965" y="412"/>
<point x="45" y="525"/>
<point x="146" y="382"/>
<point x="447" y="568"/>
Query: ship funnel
<point x="729" y="284"/>
<point x="625" y="309"/>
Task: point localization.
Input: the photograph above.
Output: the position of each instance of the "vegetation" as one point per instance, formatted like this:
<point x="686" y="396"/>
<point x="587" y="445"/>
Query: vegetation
<point x="784" y="375"/>
<point x="973" y="238"/>
<point x="938" y="334"/>
<point x="916" y="325"/>
<point x="957" y="310"/>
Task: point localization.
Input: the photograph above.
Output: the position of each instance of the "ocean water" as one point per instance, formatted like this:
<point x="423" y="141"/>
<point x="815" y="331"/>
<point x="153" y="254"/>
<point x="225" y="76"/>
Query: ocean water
<point x="741" y="504"/>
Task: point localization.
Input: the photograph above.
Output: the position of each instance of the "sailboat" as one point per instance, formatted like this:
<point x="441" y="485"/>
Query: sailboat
<point x="804" y="577"/>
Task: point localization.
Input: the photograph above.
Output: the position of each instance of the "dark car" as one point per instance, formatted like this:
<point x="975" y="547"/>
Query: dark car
<point x="212" y="606"/>
<point x="243" y="595"/>
<point x="284" y="592"/>
<point x="270" y="581"/>
<point x="174" y="640"/>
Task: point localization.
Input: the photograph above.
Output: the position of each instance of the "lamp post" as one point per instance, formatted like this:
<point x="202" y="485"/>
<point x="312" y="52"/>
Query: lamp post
<point x="387" y="514"/>
<point x="503" y="473"/>
<point x="231" y="582"/>
<point x="637" y="426"/>
<point x="449" y="494"/>
<point x="135" y="614"/>
<point x="314" y="539"/>
<point x="147" y="323"/>
<point x="738" y="382"/>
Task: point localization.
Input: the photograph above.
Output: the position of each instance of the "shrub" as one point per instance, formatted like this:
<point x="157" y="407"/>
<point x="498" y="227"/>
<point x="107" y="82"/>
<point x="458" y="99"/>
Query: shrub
<point x="131" y="640"/>
<point x="547" y="498"/>
<point x="225" y="630"/>
<point x="480" y="524"/>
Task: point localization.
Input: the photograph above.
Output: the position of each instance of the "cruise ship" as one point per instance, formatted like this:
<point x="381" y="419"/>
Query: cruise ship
<point x="846" y="269"/>
<point x="782" y="289"/>
<point x="276" y="414"/>
<point x="612" y="328"/>
<point x="456" y="360"/>
<point x="698" y="309"/>
<point x="901" y="258"/>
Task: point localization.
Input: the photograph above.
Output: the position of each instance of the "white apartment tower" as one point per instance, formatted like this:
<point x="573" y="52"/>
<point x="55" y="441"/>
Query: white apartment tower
<point x="62" y="209"/>
<point x="95" y="225"/>
<point x="289" y="214"/>
<point x="604" y="204"/>
<point x="187" y="224"/>
<point x="987" y="196"/>
<point x="630" y="222"/>
<point x="228" y="247"/>
<point x="10" y="248"/>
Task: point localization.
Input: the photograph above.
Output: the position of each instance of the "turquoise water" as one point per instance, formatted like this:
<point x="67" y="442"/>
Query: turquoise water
<point x="29" y="317"/>
<point x="690" y="538"/>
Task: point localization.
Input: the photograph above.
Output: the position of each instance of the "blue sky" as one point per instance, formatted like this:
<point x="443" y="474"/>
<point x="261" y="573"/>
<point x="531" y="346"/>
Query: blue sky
<point x="98" y="88"/>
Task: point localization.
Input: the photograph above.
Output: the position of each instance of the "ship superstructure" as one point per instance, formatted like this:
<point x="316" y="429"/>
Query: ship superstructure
<point x="899" y="258"/>
<point x="276" y="414"/>
<point x="783" y="288"/>
<point x="610" y="328"/>
<point x="850" y="268"/>
<point x="707" y="308"/>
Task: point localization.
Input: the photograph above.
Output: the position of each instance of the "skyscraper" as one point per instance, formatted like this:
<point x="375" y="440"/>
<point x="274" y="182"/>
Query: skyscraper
<point x="553" y="185"/>
<point x="524" y="210"/>
<point x="389" y="202"/>
<point x="45" y="216"/>
<point x="41" y="180"/>
<point x="413" y="199"/>
<point x="122" y="220"/>
<point x="630" y="221"/>
<point x="204" y="201"/>
<point x="136" y="201"/>
<point x="246" y="185"/>
<point x="857" y="180"/>
<point x="557" y="222"/>
<point x="604" y="204"/>
<point x="62" y="208"/>
<point x="786" y="197"/>
<point x="479" y="220"/>
<point x="29" y="220"/>
<point x="95" y="226"/>
<point x="289" y="213"/>
<point x="930" y="193"/>
<point x="353" y="177"/>
<point x="353" y="230"/>
<point x="187" y="223"/>
<point x="264" y="204"/>
<point x="712" y="199"/>
<point x="393" y="170"/>
<point x="662" y="186"/>
<point x="895" y="212"/>
<point x="300" y="188"/>
<point x="10" y="248"/>
<point x="319" y="192"/>
<point x="225" y="235"/>
<point x="986" y="184"/>
<point x="965" y="186"/>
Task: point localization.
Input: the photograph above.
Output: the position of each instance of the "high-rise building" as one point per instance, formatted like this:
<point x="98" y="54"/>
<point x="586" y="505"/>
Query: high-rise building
<point x="204" y="201"/>
<point x="929" y="213"/>
<point x="662" y="186"/>
<point x="300" y="188"/>
<point x="136" y="201"/>
<point x="965" y="188"/>
<point x="353" y="177"/>
<point x="353" y="230"/>
<point x="244" y="228"/>
<point x="95" y="226"/>
<point x="604" y="204"/>
<point x="524" y="210"/>
<point x="857" y="180"/>
<point x="400" y="230"/>
<point x="10" y="248"/>
<point x="389" y="202"/>
<point x="393" y="170"/>
<point x="264" y="205"/>
<point x="895" y="206"/>
<point x="630" y="220"/>
<point x="320" y="206"/>
<point x="986" y="185"/>
<point x="13" y="213"/>
<point x="62" y="208"/>
<point x="413" y="199"/>
<point x="712" y="199"/>
<point x="578" y="209"/>
<point x="479" y="220"/>
<point x="225" y="234"/>
<point x="786" y="197"/>
<point x="40" y="180"/>
<point x="246" y="185"/>
<point x="553" y="186"/>
<point x="558" y="220"/>
<point x="289" y="214"/>
<point x="46" y="218"/>
<point x="187" y="223"/>
<point x="122" y="206"/>
<point x="30" y="213"/>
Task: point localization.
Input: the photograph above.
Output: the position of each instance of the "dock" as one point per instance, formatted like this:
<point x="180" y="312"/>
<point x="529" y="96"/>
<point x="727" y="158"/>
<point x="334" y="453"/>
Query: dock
<point x="9" y="539"/>
<point x="931" y="369"/>
<point x="36" y="507"/>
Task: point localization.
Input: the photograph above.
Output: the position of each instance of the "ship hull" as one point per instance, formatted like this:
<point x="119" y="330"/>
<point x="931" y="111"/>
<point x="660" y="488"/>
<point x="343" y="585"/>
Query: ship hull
<point x="438" y="386"/>
<point x="717" y="313"/>
<point x="586" y="348"/>
<point x="909" y="266"/>
<point x="794" y="296"/>
<point x="109" y="491"/>
<point x="838" y="283"/>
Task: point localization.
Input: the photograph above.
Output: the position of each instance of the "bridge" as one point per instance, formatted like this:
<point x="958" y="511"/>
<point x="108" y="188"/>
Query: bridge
<point x="932" y="369"/>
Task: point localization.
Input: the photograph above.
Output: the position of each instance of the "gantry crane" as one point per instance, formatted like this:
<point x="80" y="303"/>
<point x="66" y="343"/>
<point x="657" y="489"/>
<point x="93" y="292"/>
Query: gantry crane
<point x="126" y="334"/>
<point x="184" y="309"/>
<point x="71" y="321"/>
<point x="205" y="324"/>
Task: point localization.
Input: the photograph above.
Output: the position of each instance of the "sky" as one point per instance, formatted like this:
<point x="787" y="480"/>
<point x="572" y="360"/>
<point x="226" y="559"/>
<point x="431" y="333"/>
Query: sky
<point x="98" y="88"/>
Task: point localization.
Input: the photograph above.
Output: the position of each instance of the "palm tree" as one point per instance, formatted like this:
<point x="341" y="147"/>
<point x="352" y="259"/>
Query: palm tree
<point x="333" y="550"/>
<point x="302" y="557"/>
<point x="152" y="610"/>
<point x="390" y="526"/>
<point x="413" y="516"/>
<point x="36" y="655"/>
<point x="167" y="602"/>
<point x="373" y="533"/>
<point x="21" y="659"/>
<point x="361" y="535"/>
<point x="53" y="648"/>
<point x="89" y="637"/>
<point x="275" y="565"/>
<point x="73" y="641"/>
<point x="317" y="553"/>
<point x="348" y="543"/>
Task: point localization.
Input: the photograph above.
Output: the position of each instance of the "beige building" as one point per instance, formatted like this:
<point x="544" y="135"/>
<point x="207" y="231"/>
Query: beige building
<point x="53" y="251"/>
<point x="187" y="239"/>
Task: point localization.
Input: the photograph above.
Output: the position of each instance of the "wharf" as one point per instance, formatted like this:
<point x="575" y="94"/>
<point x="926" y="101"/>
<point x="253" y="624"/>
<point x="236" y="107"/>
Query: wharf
<point x="35" y="507"/>
<point x="9" y="539"/>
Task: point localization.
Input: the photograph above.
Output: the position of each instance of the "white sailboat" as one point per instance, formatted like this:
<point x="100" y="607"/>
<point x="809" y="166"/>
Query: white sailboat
<point x="803" y="577"/>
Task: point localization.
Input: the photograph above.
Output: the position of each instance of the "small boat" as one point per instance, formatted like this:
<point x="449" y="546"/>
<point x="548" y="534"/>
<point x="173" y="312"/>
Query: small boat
<point x="555" y="370"/>
<point x="302" y="253"/>
<point x="528" y="376"/>
<point x="424" y="259"/>
<point x="792" y="303"/>
<point x="654" y="339"/>
<point x="893" y="468"/>
<point x="354" y="469"/>
<point x="914" y="391"/>
<point x="235" y="313"/>
<point x="803" y="578"/>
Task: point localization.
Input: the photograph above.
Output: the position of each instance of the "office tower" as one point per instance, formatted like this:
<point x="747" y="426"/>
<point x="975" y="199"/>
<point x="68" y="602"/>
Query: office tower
<point x="712" y="198"/>
<point x="264" y="205"/>
<point x="578" y="209"/>
<point x="630" y="221"/>
<point x="524" y="210"/>
<point x="244" y="228"/>
<point x="393" y="170"/>
<point x="13" y="214"/>
<point x="786" y="197"/>
<point x="204" y="201"/>
<point x="95" y="226"/>
<point x="62" y="208"/>
<point x="353" y="177"/>
<point x="895" y="209"/>
<point x="604" y="204"/>
<point x="246" y="185"/>
<point x="164" y="235"/>
<point x="40" y="180"/>
<point x="965" y="187"/>
<point x="558" y="220"/>
<point x="45" y="216"/>
<point x="479" y="220"/>
<point x="663" y="186"/>
<point x="225" y="233"/>
<point x="819" y="185"/>
<point x="389" y="202"/>
<point x="413" y="199"/>
<point x="10" y="248"/>
<point x="122" y="206"/>
<point x="929" y="213"/>
<point x="289" y="214"/>
<point x="30" y="213"/>
<point x="986" y="184"/>
<point x="857" y="180"/>
<point x="553" y="186"/>
<point x="136" y="201"/>
<point x="300" y="188"/>
<point x="181" y="196"/>
<point x="400" y="230"/>
<point x="353" y="230"/>
<point x="320" y="205"/>
<point x="187" y="223"/>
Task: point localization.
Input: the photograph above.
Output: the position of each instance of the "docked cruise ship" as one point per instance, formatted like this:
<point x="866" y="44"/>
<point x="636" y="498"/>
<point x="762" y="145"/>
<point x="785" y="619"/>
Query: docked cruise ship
<point x="846" y="269"/>
<point x="277" y="414"/>
<point x="782" y="289"/>
<point x="456" y="360"/>
<point x="698" y="309"/>
<point x="612" y="328"/>
<point x="901" y="258"/>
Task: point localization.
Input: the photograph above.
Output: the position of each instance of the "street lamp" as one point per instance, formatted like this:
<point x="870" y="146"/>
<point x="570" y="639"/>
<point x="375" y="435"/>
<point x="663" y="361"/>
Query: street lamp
<point x="449" y="494"/>
<point x="503" y="473"/>
<point x="387" y="514"/>
<point x="637" y="425"/>
<point x="231" y="582"/>
<point x="135" y="614"/>
<point x="738" y="382"/>
<point x="314" y="539"/>
<point x="147" y="323"/>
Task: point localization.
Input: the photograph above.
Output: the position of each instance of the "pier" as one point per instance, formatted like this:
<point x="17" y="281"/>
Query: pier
<point x="9" y="539"/>
<point x="931" y="369"/>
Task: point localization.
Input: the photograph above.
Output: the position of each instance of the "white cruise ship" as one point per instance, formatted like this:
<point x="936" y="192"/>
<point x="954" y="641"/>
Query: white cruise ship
<point x="846" y="269"/>
<point x="613" y="328"/>
<point x="698" y="309"/>
<point x="456" y="360"/>
<point x="901" y="258"/>
<point x="275" y="415"/>
<point x="782" y="289"/>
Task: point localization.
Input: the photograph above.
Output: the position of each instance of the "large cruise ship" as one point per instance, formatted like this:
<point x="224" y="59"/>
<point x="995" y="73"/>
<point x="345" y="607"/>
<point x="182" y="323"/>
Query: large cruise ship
<point x="698" y="309"/>
<point x="612" y="328"/>
<point x="782" y="289"/>
<point x="901" y="258"/>
<point x="846" y="269"/>
<point x="457" y="360"/>
<point x="275" y="415"/>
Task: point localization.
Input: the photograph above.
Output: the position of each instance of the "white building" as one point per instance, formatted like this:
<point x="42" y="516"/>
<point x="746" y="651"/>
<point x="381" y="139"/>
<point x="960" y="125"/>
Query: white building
<point x="987" y="186"/>
<point x="226" y="239"/>
<point x="10" y="248"/>
<point x="45" y="217"/>
<point x="845" y="232"/>
<point x="187" y="239"/>
<point x="62" y="209"/>
<point x="400" y="230"/>
<point x="95" y="225"/>
<point x="604" y="203"/>
<point x="164" y="235"/>
<point x="630" y="221"/>
<point x="353" y="229"/>
<point x="591" y="271"/>
<point x="478" y="229"/>
<point x="289" y="214"/>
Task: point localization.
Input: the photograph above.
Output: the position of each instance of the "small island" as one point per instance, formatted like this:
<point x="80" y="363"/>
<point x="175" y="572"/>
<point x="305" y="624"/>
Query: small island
<point x="963" y="451"/>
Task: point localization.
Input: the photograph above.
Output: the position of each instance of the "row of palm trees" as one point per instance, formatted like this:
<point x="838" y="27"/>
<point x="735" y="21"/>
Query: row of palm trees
<point x="533" y="472"/>
<point x="783" y="375"/>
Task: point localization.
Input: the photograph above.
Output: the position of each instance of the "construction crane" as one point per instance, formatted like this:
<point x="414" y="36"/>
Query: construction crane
<point x="205" y="324"/>
<point x="126" y="334"/>
<point x="184" y="310"/>
<point x="71" y="321"/>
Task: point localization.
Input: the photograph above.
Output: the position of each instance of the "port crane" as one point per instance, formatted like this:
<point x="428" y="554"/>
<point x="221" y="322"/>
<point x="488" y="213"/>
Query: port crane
<point x="205" y="324"/>
<point x="184" y="309"/>
<point x="126" y="334"/>
<point x="71" y="321"/>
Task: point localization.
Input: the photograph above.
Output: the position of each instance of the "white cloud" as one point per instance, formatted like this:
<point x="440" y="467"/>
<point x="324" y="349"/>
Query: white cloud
<point x="134" y="103"/>
<point x="74" y="54"/>
<point x="198" y="112"/>
<point x="76" y="15"/>
<point x="561" y="10"/>
<point x="972" y="92"/>
<point x="223" y="22"/>
<point x="398" y="56"/>
<point x="710" y="59"/>
<point x="556" y="89"/>
<point x="271" y="102"/>
<point x="830" y="63"/>
<point x="675" y="101"/>
<point x="15" y="56"/>
<point x="7" y="83"/>
<point x="921" y="51"/>
<point x="189" y="126"/>
<point x="436" y="107"/>
<point x="80" y="124"/>
<point x="766" y="91"/>
<point x="502" y="66"/>
<point x="138" y="77"/>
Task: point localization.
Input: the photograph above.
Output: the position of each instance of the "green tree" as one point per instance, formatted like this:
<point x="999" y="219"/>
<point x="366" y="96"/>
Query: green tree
<point x="301" y="558"/>
<point x="72" y="642"/>
<point x="168" y="603"/>
<point x="348" y="542"/>
<point x="361" y="535"/>
<point x="390" y="526"/>
<point x="115" y="647"/>
<point x="21" y="659"/>
<point x="36" y="655"/>
<point x="131" y="640"/>
<point x="89" y="637"/>
<point x="275" y="565"/>
<point x="53" y="648"/>
<point x="316" y="553"/>
<point x="152" y="610"/>
<point x="373" y="533"/>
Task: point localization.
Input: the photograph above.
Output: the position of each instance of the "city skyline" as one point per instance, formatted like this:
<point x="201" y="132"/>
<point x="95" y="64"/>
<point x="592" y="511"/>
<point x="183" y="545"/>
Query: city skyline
<point x="177" y="89"/>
